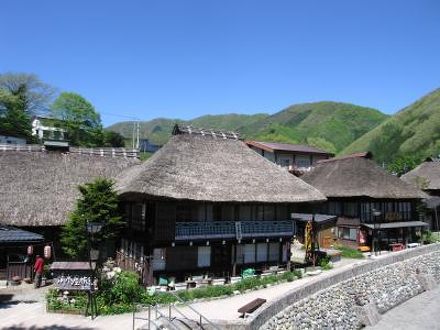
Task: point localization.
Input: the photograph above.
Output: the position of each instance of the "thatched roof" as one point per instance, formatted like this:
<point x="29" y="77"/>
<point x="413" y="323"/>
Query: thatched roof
<point x="358" y="176"/>
<point x="213" y="167"/>
<point x="425" y="176"/>
<point x="40" y="188"/>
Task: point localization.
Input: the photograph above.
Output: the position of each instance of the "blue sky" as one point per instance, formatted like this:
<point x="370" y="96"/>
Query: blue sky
<point x="185" y="58"/>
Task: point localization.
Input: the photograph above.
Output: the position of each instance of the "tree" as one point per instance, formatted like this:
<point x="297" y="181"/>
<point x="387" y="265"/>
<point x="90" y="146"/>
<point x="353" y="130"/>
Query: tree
<point x="403" y="164"/>
<point x="113" y="139"/>
<point x="21" y="96"/>
<point x="98" y="203"/>
<point x="35" y="94"/>
<point x="82" y="121"/>
<point x="14" y="121"/>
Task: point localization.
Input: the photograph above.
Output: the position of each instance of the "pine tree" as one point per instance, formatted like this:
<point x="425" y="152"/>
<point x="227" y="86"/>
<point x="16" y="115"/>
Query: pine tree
<point x="98" y="203"/>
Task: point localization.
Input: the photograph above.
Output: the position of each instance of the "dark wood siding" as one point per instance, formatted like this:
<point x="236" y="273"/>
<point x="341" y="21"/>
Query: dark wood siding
<point x="165" y="222"/>
<point x="181" y="258"/>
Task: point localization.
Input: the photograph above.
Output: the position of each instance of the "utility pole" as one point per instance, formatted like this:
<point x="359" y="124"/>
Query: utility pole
<point x="137" y="134"/>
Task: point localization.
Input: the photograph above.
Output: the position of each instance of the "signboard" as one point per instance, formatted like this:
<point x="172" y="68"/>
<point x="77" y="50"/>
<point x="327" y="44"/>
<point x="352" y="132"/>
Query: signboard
<point x="73" y="275"/>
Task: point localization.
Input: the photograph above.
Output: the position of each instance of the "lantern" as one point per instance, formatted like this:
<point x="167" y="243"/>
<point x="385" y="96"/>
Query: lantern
<point x="47" y="252"/>
<point x="30" y="250"/>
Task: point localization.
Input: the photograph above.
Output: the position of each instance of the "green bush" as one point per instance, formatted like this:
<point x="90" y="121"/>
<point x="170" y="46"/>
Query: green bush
<point x="123" y="288"/>
<point x="428" y="237"/>
<point x="325" y="263"/>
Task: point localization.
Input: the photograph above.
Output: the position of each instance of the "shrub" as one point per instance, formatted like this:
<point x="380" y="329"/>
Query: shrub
<point x="122" y="288"/>
<point x="74" y="301"/>
<point x="325" y="263"/>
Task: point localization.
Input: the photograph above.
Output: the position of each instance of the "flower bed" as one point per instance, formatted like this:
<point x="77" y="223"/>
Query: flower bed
<point x="120" y="292"/>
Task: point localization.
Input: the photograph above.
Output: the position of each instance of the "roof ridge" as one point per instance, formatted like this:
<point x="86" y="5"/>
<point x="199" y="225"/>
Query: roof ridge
<point x="190" y="130"/>
<point x="97" y="151"/>
<point x="364" y="154"/>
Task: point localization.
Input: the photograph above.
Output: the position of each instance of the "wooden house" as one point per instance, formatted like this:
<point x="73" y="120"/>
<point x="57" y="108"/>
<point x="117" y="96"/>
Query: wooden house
<point x="297" y="157"/>
<point x="367" y="200"/>
<point x="206" y="203"/>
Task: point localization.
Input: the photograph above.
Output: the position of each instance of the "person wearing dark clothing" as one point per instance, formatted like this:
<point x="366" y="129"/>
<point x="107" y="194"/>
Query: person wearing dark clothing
<point x="38" y="269"/>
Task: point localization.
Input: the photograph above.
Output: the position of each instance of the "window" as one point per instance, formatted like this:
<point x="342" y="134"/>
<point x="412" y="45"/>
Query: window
<point x="183" y="213"/>
<point x="245" y="212"/>
<point x="282" y="213"/>
<point x="204" y="256"/>
<point x="350" y="209"/>
<point x="348" y="233"/>
<point x="334" y="208"/>
<point x="240" y="253"/>
<point x="159" y="259"/>
<point x="261" y="252"/>
<point x="138" y="217"/>
<point x="249" y="253"/>
<point x="217" y="212"/>
<point x="274" y="251"/>
<point x="269" y="212"/>
<point x="259" y="212"/>
<point x="302" y="161"/>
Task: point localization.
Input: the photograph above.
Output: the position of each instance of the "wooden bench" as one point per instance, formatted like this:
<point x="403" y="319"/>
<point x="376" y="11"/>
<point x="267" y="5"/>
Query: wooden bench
<point x="252" y="306"/>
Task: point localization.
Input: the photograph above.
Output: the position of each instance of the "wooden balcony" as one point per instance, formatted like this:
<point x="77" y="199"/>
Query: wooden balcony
<point x="232" y="229"/>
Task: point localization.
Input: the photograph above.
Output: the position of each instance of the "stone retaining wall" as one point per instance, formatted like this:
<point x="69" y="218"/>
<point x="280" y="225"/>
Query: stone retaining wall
<point x="331" y="302"/>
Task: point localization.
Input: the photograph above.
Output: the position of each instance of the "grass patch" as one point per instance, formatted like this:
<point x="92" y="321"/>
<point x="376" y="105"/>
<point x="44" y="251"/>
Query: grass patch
<point x="347" y="252"/>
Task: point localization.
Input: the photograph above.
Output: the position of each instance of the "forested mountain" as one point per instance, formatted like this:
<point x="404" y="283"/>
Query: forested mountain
<point x="328" y="125"/>
<point x="159" y="130"/>
<point x="412" y="132"/>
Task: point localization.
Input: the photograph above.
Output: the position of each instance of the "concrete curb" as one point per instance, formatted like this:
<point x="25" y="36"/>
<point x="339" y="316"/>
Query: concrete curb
<point x="322" y="282"/>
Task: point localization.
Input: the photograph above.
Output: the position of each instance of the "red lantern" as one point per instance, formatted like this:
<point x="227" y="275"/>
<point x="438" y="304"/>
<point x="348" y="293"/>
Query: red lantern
<point x="30" y="250"/>
<point x="47" y="252"/>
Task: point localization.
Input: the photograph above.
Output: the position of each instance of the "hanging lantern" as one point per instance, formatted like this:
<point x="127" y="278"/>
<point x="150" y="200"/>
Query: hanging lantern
<point x="47" y="252"/>
<point x="30" y="250"/>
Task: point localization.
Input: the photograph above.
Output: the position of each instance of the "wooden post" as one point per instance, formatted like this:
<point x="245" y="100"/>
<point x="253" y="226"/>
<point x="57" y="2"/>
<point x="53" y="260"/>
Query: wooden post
<point x="234" y="264"/>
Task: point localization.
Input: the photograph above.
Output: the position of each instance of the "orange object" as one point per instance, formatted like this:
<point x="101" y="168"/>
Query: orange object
<point x="364" y="248"/>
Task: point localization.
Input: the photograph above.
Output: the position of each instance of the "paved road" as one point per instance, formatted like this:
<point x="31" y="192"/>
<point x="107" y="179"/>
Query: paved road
<point x="419" y="313"/>
<point x="25" y="310"/>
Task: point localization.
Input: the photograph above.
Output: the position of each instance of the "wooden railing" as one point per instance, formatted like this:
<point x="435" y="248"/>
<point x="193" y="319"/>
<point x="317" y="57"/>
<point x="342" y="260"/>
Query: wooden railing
<point x="105" y="151"/>
<point x="232" y="229"/>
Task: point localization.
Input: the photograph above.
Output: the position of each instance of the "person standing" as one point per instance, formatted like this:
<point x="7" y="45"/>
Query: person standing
<point x="38" y="269"/>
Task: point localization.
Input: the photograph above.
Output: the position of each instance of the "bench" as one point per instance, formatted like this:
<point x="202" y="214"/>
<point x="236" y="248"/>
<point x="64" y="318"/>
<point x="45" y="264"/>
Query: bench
<point x="252" y="306"/>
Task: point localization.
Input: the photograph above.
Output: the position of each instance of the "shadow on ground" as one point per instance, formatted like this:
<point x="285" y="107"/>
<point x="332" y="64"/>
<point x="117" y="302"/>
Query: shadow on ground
<point x="48" y="327"/>
<point x="6" y="301"/>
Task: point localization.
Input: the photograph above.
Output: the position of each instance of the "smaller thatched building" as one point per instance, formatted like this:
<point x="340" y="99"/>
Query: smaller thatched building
<point x="367" y="200"/>
<point x="426" y="176"/>
<point x="206" y="203"/>
<point x="38" y="188"/>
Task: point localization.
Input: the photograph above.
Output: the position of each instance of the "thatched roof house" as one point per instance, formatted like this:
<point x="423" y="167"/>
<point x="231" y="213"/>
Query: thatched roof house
<point x="426" y="176"/>
<point x="39" y="188"/>
<point x="358" y="176"/>
<point x="217" y="167"/>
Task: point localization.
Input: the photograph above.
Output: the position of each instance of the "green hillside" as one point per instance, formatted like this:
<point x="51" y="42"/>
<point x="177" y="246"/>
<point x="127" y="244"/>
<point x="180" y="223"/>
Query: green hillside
<point x="158" y="130"/>
<point x="413" y="131"/>
<point x="328" y="125"/>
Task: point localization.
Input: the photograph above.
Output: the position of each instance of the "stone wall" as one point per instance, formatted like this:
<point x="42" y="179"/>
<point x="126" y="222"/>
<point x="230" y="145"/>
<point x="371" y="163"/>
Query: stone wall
<point x="333" y="302"/>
